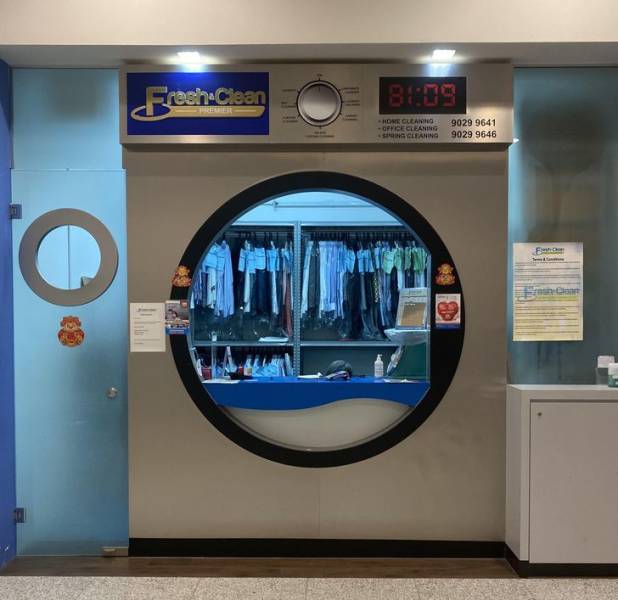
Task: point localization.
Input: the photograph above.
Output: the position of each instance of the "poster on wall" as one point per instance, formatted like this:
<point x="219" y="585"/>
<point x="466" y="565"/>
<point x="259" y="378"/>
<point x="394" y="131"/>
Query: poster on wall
<point x="147" y="325"/>
<point x="448" y="311"/>
<point x="548" y="292"/>
<point x="176" y="317"/>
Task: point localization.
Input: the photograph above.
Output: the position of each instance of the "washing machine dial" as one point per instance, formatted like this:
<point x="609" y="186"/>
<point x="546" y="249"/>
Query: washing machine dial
<point x="319" y="103"/>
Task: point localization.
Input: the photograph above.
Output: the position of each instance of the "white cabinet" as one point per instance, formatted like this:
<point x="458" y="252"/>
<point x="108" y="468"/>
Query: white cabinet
<point x="562" y="474"/>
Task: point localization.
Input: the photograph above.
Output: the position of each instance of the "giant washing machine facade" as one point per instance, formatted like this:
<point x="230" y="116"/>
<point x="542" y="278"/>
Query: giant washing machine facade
<point x="214" y="160"/>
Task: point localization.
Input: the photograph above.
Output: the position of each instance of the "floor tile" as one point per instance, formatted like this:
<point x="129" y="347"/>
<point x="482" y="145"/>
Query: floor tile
<point x="601" y="589"/>
<point x="140" y="588"/>
<point x="472" y="589"/>
<point x="557" y="589"/>
<point x="43" y="588"/>
<point x="432" y="589"/>
<point x="253" y="588"/>
<point x="361" y="589"/>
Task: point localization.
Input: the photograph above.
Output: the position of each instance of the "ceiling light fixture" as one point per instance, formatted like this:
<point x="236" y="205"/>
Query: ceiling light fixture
<point x="442" y="54"/>
<point x="191" y="57"/>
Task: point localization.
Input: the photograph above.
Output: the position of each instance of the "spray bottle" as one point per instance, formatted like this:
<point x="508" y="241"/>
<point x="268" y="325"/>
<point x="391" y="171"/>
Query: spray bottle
<point x="378" y="367"/>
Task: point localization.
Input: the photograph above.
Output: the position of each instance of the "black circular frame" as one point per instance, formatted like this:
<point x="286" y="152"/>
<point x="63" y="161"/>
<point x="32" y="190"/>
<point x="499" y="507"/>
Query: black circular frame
<point x="445" y="345"/>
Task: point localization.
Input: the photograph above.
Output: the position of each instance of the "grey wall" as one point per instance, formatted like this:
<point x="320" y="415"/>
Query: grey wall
<point x="446" y="481"/>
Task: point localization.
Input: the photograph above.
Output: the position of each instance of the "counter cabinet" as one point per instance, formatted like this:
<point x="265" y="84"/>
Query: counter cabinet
<point x="562" y="479"/>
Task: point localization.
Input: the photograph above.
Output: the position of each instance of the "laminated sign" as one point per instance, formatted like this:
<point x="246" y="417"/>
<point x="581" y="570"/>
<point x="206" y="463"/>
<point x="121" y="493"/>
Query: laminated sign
<point x="448" y="311"/>
<point x="548" y="292"/>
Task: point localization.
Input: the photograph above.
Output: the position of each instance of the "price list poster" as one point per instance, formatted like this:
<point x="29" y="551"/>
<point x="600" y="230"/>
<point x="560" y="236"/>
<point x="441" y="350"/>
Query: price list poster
<point x="548" y="292"/>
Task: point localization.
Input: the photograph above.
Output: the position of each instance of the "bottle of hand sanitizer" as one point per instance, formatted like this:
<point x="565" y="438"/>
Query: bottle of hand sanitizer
<point x="378" y="367"/>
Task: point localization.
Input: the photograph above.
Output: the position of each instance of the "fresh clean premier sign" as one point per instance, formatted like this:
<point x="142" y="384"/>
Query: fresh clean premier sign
<point x="211" y="103"/>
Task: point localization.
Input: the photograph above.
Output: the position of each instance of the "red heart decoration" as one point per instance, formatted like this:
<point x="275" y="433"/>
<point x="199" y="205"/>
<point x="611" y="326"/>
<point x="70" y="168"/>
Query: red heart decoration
<point x="448" y="310"/>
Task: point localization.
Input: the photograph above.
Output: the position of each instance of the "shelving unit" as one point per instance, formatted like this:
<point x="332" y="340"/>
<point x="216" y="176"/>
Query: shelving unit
<point x="350" y="344"/>
<point x="297" y="231"/>
<point x="242" y="344"/>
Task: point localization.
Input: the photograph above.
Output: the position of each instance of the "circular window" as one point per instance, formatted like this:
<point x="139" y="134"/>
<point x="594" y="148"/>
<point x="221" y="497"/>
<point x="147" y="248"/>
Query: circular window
<point x="68" y="257"/>
<point x="313" y="339"/>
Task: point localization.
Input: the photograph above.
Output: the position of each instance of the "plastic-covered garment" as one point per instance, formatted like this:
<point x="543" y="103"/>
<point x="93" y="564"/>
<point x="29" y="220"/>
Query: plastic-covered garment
<point x="352" y="284"/>
<point x="224" y="300"/>
<point x="258" y="366"/>
<point x="243" y="288"/>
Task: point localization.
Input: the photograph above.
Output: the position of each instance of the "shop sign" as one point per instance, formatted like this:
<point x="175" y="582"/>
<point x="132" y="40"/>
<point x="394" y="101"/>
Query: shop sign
<point x="170" y="103"/>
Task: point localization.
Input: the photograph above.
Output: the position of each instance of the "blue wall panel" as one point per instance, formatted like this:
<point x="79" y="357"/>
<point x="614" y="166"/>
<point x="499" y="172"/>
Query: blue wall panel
<point x="71" y="439"/>
<point x="66" y="119"/>
<point x="7" y="417"/>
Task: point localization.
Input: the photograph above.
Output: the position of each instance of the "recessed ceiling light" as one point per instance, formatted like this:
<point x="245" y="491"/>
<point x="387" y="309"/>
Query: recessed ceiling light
<point x="442" y="54"/>
<point x="191" y="57"/>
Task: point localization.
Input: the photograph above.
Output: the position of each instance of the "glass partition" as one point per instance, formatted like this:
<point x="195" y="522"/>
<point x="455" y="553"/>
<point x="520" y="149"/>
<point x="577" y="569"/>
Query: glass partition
<point x="563" y="187"/>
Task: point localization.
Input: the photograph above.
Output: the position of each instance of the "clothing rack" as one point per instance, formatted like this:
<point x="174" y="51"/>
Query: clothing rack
<point x="257" y="233"/>
<point x="297" y="233"/>
<point x="360" y="232"/>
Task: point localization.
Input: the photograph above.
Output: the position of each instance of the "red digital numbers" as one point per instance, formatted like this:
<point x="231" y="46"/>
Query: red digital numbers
<point x="449" y="95"/>
<point x="431" y="95"/>
<point x="395" y="95"/>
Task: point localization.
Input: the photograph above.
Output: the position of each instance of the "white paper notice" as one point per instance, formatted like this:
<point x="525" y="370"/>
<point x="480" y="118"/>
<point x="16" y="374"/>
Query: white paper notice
<point x="548" y="292"/>
<point x="147" y="326"/>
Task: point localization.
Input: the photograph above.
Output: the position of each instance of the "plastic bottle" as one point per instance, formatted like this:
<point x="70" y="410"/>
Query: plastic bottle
<point x="612" y="375"/>
<point x="378" y="367"/>
<point x="603" y="363"/>
<point x="229" y="366"/>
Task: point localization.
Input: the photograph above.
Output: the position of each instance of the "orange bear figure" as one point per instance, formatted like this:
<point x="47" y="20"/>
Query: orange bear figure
<point x="71" y="333"/>
<point x="181" y="277"/>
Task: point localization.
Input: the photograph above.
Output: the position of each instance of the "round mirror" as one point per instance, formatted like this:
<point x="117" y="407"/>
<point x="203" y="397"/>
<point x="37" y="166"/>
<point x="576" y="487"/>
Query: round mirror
<point x="68" y="257"/>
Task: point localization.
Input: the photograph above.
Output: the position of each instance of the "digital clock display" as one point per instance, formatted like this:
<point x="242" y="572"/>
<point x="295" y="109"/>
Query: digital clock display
<point x="422" y="95"/>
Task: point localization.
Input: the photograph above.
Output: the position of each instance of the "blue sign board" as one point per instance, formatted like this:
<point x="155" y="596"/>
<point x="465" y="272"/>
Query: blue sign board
<point x="210" y="103"/>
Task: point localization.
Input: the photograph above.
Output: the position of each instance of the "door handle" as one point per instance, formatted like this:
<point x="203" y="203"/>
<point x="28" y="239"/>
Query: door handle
<point x="112" y="392"/>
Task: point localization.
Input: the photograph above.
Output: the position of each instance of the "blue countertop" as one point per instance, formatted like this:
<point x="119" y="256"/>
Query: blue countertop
<point x="293" y="393"/>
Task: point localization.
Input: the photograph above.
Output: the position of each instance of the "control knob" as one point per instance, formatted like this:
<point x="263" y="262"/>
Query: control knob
<point x="319" y="103"/>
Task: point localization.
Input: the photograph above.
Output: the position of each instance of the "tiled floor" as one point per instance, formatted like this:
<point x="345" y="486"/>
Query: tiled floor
<point x="215" y="588"/>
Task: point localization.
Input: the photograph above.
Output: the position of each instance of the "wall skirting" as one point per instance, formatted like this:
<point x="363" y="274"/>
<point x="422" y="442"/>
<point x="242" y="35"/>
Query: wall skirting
<point x="314" y="548"/>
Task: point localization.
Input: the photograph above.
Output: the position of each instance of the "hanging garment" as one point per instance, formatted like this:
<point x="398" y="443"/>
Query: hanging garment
<point x="304" y="307"/>
<point x="399" y="264"/>
<point x="286" y="259"/>
<point x="224" y="301"/>
<point x="210" y="263"/>
<point x="323" y="277"/>
<point x="273" y="263"/>
<point x="419" y="263"/>
<point x="313" y="293"/>
<point x="247" y="263"/>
